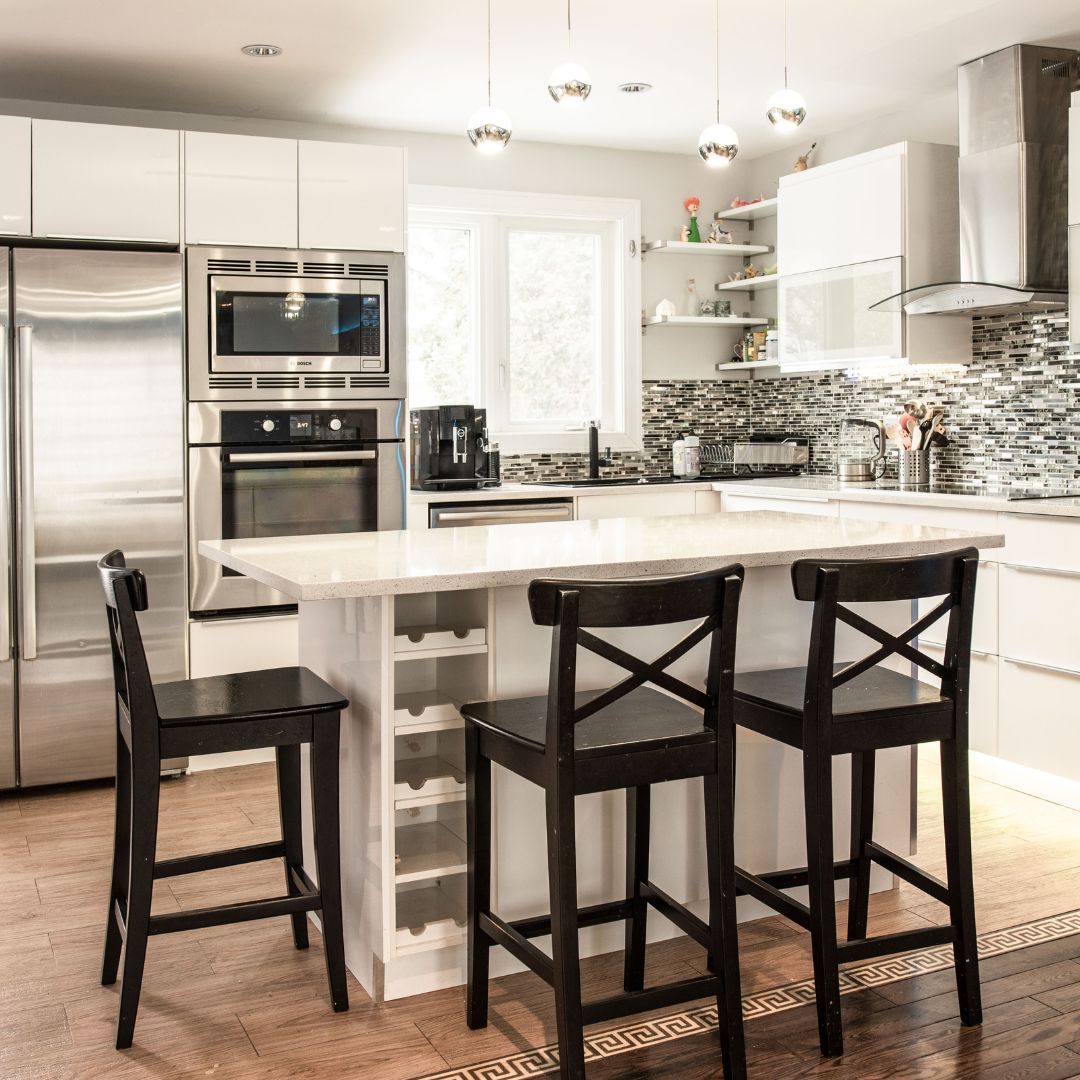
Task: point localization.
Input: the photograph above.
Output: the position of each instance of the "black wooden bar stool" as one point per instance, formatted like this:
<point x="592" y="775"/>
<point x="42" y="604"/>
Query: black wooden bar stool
<point x="281" y="707"/>
<point x="629" y="736"/>
<point x="857" y="708"/>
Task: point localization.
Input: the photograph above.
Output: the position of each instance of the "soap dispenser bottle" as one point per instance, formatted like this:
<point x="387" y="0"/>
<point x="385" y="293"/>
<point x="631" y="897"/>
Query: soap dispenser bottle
<point x="678" y="456"/>
<point x="692" y="457"/>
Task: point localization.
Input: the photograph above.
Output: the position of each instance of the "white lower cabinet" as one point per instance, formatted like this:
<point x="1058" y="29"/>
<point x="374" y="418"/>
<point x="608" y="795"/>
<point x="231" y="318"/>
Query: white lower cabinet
<point x="983" y="704"/>
<point x="1038" y="616"/>
<point x="636" y="504"/>
<point x="984" y="631"/>
<point x="1039" y="709"/>
<point x="228" y="646"/>
<point x="784" y="503"/>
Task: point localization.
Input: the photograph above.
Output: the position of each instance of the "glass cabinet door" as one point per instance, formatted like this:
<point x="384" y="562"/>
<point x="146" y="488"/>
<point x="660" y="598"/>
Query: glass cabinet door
<point x="825" y="316"/>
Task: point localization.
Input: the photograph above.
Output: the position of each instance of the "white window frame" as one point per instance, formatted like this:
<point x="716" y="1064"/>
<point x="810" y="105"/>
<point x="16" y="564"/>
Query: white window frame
<point x="490" y="214"/>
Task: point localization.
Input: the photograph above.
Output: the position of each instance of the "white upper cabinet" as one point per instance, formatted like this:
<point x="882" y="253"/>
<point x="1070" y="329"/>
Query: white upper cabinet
<point x="105" y="182"/>
<point x="239" y="189"/>
<point x="15" y="176"/>
<point x="1074" y="160"/>
<point x="850" y="211"/>
<point x="351" y="196"/>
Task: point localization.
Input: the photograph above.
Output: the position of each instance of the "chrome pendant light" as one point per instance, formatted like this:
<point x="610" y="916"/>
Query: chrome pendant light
<point x="786" y="109"/>
<point x="489" y="128"/>
<point x="718" y="144"/>
<point x="569" y="84"/>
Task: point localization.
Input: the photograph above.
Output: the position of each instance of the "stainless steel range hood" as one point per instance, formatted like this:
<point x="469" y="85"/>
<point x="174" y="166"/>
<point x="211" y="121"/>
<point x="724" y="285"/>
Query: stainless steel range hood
<point x="1014" y="135"/>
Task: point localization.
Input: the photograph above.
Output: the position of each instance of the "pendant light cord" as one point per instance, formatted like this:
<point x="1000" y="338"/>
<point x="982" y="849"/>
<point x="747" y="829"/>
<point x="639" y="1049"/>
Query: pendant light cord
<point x="718" y="61"/>
<point x="785" y="43"/>
<point x="569" y="32"/>
<point x="489" y="49"/>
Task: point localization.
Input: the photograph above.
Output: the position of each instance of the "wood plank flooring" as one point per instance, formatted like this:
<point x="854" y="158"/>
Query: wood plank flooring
<point x="239" y="1002"/>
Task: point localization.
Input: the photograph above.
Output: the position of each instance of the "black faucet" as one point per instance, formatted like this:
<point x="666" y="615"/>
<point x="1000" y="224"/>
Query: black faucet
<point x="595" y="460"/>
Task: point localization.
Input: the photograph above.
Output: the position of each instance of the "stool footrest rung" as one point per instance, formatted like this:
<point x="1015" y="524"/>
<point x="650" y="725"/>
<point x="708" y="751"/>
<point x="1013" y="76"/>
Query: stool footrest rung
<point x="654" y="997"/>
<point x="771" y="896"/>
<point x="517" y="945"/>
<point x="303" y="884"/>
<point x="595" y="915"/>
<point x="910" y="873"/>
<point x="233" y="913"/>
<point x="216" y="860"/>
<point x="677" y="913"/>
<point x="792" y="879"/>
<point x="887" y="944"/>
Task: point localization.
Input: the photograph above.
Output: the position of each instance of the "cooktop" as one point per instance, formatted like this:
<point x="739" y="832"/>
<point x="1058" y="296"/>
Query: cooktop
<point x="1009" y="494"/>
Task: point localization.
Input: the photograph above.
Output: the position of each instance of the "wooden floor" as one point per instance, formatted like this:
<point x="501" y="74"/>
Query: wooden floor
<point x="239" y="1002"/>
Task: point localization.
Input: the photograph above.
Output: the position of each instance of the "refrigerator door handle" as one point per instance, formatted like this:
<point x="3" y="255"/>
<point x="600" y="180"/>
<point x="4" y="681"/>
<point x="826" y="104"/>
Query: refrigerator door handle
<point x="5" y="522"/>
<point x="24" y="494"/>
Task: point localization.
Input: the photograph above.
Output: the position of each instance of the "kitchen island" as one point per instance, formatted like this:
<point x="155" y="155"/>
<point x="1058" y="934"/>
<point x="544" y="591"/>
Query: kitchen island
<point x="409" y="625"/>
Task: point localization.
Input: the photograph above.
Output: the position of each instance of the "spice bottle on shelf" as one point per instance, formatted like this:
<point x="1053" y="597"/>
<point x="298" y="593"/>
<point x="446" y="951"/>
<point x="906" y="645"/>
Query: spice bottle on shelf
<point x="678" y="456"/>
<point x="692" y="468"/>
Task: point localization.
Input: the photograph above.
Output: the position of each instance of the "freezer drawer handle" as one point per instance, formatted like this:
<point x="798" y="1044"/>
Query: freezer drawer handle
<point x="1041" y="667"/>
<point x="1050" y="571"/>
<point x="24" y="495"/>
<point x="561" y="513"/>
<point x="305" y="455"/>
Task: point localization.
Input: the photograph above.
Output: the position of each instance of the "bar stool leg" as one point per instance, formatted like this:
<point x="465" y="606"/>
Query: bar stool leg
<point x="862" y="831"/>
<point x="121" y="866"/>
<point x="325" y="763"/>
<point x="562" y="876"/>
<point x="145" y="781"/>
<point x="638" y="814"/>
<point x="817" y="778"/>
<point x="957" y="815"/>
<point x="478" y="844"/>
<point x="288" y="779"/>
<point x="723" y="922"/>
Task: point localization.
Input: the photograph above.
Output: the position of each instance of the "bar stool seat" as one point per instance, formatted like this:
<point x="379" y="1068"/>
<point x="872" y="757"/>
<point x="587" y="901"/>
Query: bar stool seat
<point x="642" y="720"/>
<point x="246" y="695"/>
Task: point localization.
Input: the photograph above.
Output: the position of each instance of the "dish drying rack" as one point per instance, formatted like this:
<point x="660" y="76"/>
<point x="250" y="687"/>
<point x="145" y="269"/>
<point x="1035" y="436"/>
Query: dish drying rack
<point x="767" y="455"/>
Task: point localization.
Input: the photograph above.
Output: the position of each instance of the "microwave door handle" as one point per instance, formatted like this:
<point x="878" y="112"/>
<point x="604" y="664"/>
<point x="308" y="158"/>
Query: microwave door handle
<point x="302" y="455"/>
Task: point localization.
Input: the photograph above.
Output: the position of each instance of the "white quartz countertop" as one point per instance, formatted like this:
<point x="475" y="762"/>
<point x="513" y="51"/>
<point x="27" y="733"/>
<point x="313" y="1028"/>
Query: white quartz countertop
<point x="828" y="487"/>
<point x="385" y="563"/>
<point x="517" y="492"/>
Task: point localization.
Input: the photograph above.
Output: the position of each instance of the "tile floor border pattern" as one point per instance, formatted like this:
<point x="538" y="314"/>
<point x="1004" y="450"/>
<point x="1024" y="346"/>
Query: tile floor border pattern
<point x="664" y="1029"/>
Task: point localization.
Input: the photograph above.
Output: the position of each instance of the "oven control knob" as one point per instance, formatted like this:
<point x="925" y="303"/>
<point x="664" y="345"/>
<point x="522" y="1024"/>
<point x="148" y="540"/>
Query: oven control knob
<point x="335" y="424"/>
<point x="268" y="425"/>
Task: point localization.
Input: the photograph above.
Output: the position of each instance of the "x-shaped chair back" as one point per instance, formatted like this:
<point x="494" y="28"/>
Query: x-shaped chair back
<point x="574" y="608"/>
<point x="831" y="585"/>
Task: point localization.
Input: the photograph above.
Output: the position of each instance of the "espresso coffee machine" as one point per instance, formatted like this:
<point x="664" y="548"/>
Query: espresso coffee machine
<point x="450" y="449"/>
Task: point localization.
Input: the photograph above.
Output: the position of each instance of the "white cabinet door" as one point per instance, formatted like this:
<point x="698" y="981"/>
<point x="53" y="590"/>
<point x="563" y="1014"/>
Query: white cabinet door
<point x="984" y="630"/>
<point x="351" y="197"/>
<point x="850" y="211"/>
<point x="239" y="189"/>
<point x="1074" y="160"/>
<point x="638" y="504"/>
<point x="228" y="646"/>
<point x="826" y="316"/>
<point x="782" y="502"/>
<point x="1037" y="711"/>
<point x="1042" y="541"/>
<point x="106" y="182"/>
<point x="15" y="176"/>
<point x="1038" y="616"/>
<point x="983" y="699"/>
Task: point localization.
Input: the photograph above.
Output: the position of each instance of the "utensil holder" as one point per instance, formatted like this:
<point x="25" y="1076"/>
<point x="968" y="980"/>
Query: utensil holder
<point x="914" y="468"/>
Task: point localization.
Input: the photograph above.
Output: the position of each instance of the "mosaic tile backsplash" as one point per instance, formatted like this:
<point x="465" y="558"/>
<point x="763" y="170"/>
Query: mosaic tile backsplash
<point x="1013" y="414"/>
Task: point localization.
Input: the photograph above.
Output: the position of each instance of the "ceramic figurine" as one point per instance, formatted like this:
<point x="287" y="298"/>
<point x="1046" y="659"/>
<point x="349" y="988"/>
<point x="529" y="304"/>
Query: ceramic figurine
<point x="708" y="307"/>
<point x="752" y="271"/>
<point x="803" y="163"/>
<point x="665" y="307"/>
<point x="692" y="205"/>
<point x="684" y="234"/>
<point x="739" y="275"/>
<point x="718" y="234"/>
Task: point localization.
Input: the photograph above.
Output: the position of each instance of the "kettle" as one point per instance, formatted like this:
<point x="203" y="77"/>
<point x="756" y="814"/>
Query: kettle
<point x="865" y="466"/>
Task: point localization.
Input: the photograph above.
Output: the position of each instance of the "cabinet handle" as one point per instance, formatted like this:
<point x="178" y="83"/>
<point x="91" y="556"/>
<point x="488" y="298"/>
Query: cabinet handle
<point x="1041" y="667"/>
<point x="114" y="239"/>
<point x="783" y="498"/>
<point x="1048" y="570"/>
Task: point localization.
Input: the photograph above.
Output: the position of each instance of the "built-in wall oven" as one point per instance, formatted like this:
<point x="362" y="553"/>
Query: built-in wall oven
<point x="295" y="323"/>
<point x="286" y="468"/>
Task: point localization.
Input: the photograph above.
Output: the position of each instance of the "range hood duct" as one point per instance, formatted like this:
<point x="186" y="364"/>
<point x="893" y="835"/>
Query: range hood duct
<point x="1014" y="152"/>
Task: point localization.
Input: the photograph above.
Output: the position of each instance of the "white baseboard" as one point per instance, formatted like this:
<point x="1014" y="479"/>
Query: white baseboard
<point x="204" y="762"/>
<point x="1043" y="785"/>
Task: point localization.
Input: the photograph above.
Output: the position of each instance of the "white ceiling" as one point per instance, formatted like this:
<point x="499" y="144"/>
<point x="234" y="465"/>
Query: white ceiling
<point x="420" y="65"/>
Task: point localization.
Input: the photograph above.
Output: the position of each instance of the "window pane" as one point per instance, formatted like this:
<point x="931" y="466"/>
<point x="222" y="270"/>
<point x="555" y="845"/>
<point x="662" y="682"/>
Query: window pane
<point x="442" y="339"/>
<point x="554" y="327"/>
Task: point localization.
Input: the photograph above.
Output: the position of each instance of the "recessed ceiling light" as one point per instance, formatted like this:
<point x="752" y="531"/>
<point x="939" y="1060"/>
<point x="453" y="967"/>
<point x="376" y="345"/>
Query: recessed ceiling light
<point x="635" y="87"/>
<point x="262" y="50"/>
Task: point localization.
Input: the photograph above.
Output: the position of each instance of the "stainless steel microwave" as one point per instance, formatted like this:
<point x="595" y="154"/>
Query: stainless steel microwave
<point x="274" y="323"/>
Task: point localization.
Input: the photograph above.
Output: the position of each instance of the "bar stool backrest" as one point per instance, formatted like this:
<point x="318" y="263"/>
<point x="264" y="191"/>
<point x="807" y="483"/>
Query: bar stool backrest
<point x="832" y="584"/>
<point x="125" y="594"/>
<point x="572" y="608"/>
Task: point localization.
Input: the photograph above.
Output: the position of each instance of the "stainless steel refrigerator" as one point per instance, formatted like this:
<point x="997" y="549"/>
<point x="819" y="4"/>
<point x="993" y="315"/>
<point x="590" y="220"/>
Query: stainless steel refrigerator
<point x="91" y="439"/>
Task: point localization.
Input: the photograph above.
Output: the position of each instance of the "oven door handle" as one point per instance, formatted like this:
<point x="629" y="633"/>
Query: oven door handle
<point x="303" y="455"/>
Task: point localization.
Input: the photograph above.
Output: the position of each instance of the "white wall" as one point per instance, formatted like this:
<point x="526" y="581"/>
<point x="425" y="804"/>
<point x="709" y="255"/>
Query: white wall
<point x="660" y="181"/>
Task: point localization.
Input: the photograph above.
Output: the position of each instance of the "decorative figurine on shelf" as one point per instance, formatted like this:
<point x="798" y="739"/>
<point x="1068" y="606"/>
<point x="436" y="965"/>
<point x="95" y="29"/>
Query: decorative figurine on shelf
<point x="752" y="271"/>
<point x="665" y="308"/>
<point x="684" y="234"/>
<point x="738" y="275"/>
<point x="768" y="271"/>
<point x="739" y="201"/>
<point x="708" y="308"/>
<point x="718" y="234"/>
<point x="803" y="163"/>
<point x="692" y="205"/>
